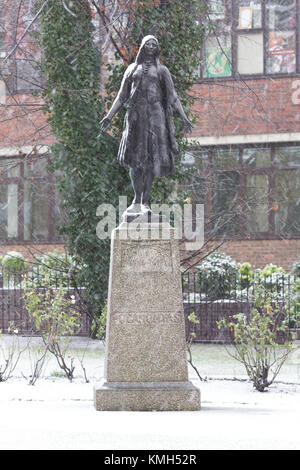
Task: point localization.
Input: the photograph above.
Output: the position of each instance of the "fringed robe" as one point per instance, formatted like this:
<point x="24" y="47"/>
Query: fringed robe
<point x="148" y="139"/>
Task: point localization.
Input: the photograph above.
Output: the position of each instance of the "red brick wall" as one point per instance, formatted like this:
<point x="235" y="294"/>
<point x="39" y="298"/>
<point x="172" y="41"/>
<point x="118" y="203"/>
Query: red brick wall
<point x="23" y="123"/>
<point x="262" y="252"/>
<point x="224" y="108"/>
<point x="247" y="107"/>
<point x="28" y="251"/>
<point x="257" y="106"/>
<point x="259" y="253"/>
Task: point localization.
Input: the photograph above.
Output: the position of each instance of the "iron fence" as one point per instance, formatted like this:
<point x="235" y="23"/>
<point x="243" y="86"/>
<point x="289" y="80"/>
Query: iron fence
<point x="211" y="298"/>
<point x="13" y="313"/>
<point x="214" y="297"/>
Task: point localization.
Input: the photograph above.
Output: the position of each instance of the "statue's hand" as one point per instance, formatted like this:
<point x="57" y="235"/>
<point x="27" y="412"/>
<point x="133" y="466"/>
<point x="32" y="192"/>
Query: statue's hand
<point x="105" y="123"/>
<point x="187" y="126"/>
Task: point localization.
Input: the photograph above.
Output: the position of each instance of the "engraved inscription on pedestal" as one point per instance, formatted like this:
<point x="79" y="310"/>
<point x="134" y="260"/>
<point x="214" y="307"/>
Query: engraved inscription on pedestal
<point x="155" y="256"/>
<point x="145" y="344"/>
<point x="150" y="318"/>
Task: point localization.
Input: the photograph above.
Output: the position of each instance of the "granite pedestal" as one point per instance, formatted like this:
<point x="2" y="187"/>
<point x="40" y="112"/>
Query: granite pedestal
<point x="145" y="362"/>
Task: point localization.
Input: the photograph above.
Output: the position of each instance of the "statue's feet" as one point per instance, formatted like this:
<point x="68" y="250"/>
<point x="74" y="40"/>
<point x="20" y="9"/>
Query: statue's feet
<point x="146" y="208"/>
<point x="134" y="208"/>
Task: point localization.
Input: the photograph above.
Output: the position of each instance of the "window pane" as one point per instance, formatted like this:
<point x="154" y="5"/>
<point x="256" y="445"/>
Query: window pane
<point x="8" y="211"/>
<point x="196" y="184"/>
<point x="201" y="159"/>
<point x="256" y="157"/>
<point x="250" y="53"/>
<point x="196" y="189"/>
<point x="60" y="214"/>
<point x="226" y="159"/>
<point x="217" y="9"/>
<point x="287" y="156"/>
<point x="3" y="211"/>
<point x="2" y="30"/>
<point x="218" y="57"/>
<point x="280" y="14"/>
<point x="2" y="92"/>
<point x="257" y="203"/>
<point x="225" y="203"/>
<point x="36" y="166"/>
<point x="282" y="52"/>
<point x="249" y="14"/>
<point x="9" y="168"/>
<point x="36" y="210"/>
<point x="188" y="159"/>
<point x="28" y="75"/>
<point x="287" y="193"/>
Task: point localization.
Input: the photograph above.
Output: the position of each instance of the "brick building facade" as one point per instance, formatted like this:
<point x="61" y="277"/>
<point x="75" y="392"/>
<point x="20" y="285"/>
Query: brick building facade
<point x="254" y="115"/>
<point x="246" y="142"/>
<point x="245" y="145"/>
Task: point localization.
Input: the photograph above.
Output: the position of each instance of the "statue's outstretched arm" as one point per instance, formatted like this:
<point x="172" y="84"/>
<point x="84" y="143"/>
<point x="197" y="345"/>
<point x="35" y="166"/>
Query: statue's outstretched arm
<point x="121" y="98"/>
<point x="105" y="123"/>
<point x="174" y="100"/>
<point x="187" y="125"/>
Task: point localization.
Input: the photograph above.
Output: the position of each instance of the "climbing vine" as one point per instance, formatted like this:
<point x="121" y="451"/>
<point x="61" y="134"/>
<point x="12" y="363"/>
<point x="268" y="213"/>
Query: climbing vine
<point x="86" y="167"/>
<point x="84" y="161"/>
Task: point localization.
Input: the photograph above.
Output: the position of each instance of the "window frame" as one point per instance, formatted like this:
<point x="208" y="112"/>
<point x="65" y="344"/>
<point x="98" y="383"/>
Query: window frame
<point x="49" y="179"/>
<point x="270" y="171"/>
<point x="235" y="32"/>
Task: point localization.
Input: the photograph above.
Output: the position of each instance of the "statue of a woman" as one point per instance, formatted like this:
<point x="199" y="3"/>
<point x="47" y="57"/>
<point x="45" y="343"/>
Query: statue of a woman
<point x="148" y="141"/>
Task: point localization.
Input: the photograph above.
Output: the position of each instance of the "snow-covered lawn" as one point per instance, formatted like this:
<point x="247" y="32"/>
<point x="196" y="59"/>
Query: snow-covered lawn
<point x="57" y="414"/>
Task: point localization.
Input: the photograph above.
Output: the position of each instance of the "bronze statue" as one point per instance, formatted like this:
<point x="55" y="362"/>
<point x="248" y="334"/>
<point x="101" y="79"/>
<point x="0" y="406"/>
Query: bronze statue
<point x="148" y="141"/>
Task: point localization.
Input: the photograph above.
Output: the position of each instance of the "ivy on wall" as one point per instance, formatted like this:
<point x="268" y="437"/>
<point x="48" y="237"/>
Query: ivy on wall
<point x="88" y="171"/>
<point x="84" y="160"/>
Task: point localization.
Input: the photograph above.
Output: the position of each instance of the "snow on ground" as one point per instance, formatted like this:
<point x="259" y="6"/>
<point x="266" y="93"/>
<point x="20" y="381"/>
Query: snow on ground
<point x="57" y="414"/>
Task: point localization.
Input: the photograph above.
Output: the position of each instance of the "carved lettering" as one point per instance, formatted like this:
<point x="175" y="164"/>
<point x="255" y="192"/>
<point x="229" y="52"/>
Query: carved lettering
<point x="146" y="257"/>
<point x="147" y="318"/>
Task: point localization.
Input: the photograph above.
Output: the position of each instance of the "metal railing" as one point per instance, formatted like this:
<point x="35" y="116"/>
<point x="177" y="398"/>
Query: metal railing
<point x="214" y="297"/>
<point x="13" y="313"/>
<point x="211" y="298"/>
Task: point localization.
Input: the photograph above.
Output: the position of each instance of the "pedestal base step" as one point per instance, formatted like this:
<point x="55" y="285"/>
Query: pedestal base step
<point x="146" y="396"/>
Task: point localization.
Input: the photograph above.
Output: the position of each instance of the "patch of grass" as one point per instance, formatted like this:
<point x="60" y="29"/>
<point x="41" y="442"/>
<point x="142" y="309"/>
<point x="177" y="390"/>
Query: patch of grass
<point x="57" y="373"/>
<point x="213" y="360"/>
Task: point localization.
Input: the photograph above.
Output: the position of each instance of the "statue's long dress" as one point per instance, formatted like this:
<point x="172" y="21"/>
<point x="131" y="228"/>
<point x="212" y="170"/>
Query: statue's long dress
<point x="148" y="139"/>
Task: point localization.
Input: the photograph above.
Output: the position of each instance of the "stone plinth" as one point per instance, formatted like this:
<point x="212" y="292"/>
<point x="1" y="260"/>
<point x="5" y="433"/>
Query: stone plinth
<point x="145" y="363"/>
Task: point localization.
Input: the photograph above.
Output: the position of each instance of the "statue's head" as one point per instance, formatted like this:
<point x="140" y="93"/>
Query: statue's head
<point x="149" y="48"/>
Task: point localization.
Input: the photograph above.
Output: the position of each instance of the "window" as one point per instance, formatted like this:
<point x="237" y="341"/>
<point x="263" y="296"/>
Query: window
<point x="250" y="58"/>
<point x="252" y="37"/>
<point x="218" y="57"/>
<point x="28" y="200"/>
<point x="218" y="46"/>
<point x="256" y="203"/>
<point x="2" y="31"/>
<point x="21" y="72"/>
<point x="249" y="36"/>
<point x="224" y="199"/>
<point x="9" y="211"/>
<point x="287" y="197"/>
<point x="287" y="190"/>
<point x="2" y="54"/>
<point x="281" y="36"/>
<point x="249" y="191"/>
<point x="249" y="14"/>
